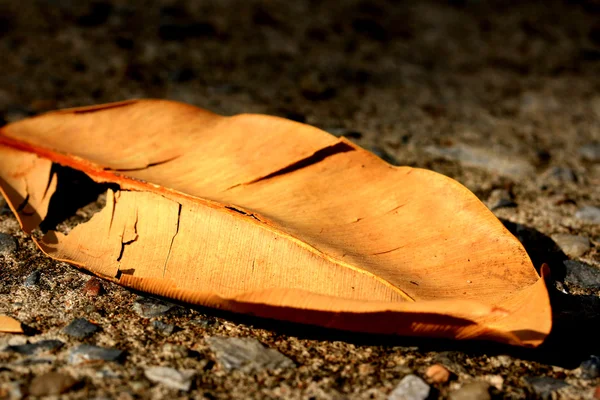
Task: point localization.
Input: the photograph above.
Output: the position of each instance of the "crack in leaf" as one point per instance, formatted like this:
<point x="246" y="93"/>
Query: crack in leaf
<point x="113" y="197"/>
<point x="395" y="208"/>
<point x="387" y="251"/>
<point x="21" y="208"/>
<point x="315" y="158"/>
<point x="128" y="242"/>
<point x="172" y="240"/>
<point x="52" y="174"/>
<point x="24" y="203"/>
<point x="154" y="164"/>
<point x="388" y="212"/>
<point x="240" y="211"/>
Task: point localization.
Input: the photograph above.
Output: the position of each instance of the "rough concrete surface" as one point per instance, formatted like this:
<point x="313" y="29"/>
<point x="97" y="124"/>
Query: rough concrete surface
<point x="502" y="96"/>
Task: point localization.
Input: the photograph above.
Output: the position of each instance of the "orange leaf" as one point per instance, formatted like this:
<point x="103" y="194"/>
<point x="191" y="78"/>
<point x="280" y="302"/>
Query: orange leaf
<point x="265" y="216"/>
<point x="10" y="325"/>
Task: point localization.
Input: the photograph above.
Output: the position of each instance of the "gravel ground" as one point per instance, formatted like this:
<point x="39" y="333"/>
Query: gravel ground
<point x="502" y="96"/>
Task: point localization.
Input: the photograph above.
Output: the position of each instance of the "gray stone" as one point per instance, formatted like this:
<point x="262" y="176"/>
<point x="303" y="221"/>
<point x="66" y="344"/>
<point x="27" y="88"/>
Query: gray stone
<point x="204" y="323"/>
<point x="88" y="353"/>
<point x="491" y="161"/>
<point x="500" y="198"/>
<point x="501" y="164"/>
<point x="80" y="328"/>
<point x="163" y="328"/>
<point x="477" y="390"/>
<point x="42" y="346"/>
<point x="503" y="203"/>
<point x="33" y="278"/>
<point x="572" y="245"/>
<point x="581" y="274"/>
<point x="246" y="354"/>
<point x="411" y="387"/>
<point x="560" y="174"/>
<point x="452" y="361"/>
<point x="8" y="244"/>
<point x="590" y="368"/>
<point x="174" y="351"/>
<point x="589" y="214"/>
<point x="543" y="386"/>
<point x="51" y="384"/>
<point x="107" y="373"/>
<point x="181" y="380"/>
<point x="148" y="307"/>
<point x="590" y="152"/>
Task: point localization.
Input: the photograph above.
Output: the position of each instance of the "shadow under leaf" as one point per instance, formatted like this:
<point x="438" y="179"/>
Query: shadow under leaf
<point x="74" y="190"/>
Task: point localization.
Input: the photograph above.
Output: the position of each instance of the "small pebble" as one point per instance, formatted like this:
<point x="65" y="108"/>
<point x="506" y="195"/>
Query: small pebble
<point x="93" y="287"/>
<point x="365" y="369"/>
<point x="560" y="174"/>
<point x="33" y="278"/>
<point x="590" y="369"/>
<point x="589" y="214"/>
<point x="504" y="360"/>
<point x="51" y="384"/>
<point x="80" y="328"/>
<point x="572" y="245"/>
<point x="203" y="323"/>
<point x="504" y="203"/>
<point x="246" y="354"/>
<point x="506" y="165"/>
<point x="172" y="351"/>
<point x="147" y="307"/>
<point x="17" y="340"/>
<point x="451" y="361"/>
<point x="138" y="386"/>
<point x="543" y="386"/>
<point x="88" y="353"/>
<point x="411" y="387"/>
<point x="500" y="198"/>
<point x="437" y="373"/>
<point x="8" y="244"/>
<point x="105" y="373"/>
<point x="477" y="390"/>
<point x="590" y="152"/>
<point x="181" y="380"/>
<point x="163" y="328"/>
<point x="581" y="274"/>
<point x="495" y="380"/>
<point x="35" y="348"/>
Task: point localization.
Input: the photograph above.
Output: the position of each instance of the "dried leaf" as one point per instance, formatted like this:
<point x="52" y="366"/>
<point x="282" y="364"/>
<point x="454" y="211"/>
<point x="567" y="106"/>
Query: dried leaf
<point x="265" y="216"/>
<point x="10" y="325"/>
